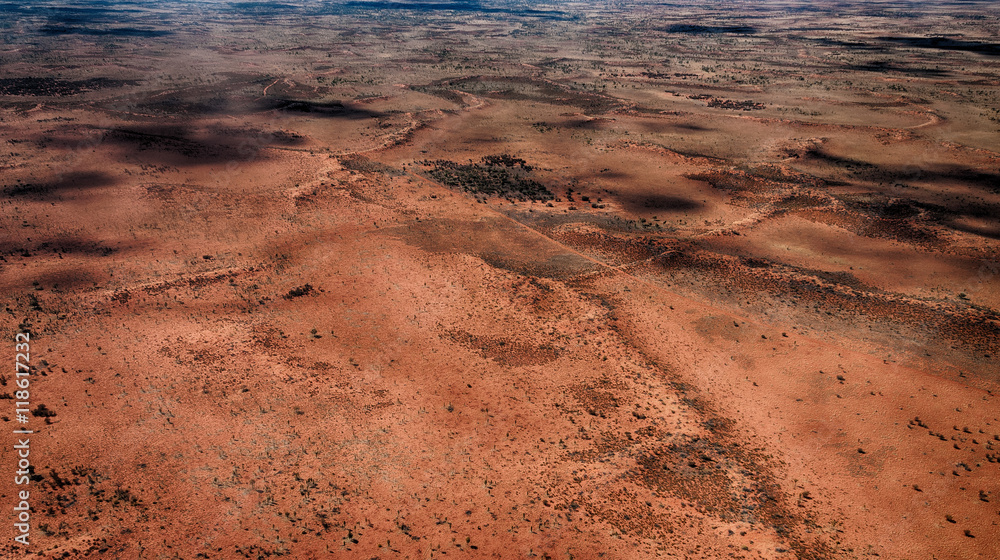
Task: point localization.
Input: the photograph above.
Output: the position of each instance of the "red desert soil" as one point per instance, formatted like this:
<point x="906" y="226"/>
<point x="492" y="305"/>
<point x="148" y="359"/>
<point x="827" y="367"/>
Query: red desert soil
<point x="384" y="293"/>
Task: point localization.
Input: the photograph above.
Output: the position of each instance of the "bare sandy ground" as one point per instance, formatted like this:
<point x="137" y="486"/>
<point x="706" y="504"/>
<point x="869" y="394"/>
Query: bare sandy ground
<point x="752" y="315"/>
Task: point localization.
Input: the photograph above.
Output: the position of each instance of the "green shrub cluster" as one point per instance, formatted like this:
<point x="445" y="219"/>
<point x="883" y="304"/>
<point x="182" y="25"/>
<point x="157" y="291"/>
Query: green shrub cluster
<point x="500" y="175"/>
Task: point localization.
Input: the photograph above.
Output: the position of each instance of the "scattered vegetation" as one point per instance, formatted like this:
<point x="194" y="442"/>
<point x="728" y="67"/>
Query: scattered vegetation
<point x="500" y="175"/>
<point x="739" y="105"/>
<point x="42" y="411"/>
<point x="299" y="291"/>
<point x="364" y="165"/>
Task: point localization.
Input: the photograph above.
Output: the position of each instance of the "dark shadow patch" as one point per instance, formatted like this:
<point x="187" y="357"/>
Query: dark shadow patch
<point x="694" y="29"/>
<point x="259" y="137"/>
<point x="871" y="224"/>
<point x="836" y="277"/>
<point x="666" y="127"/>
<point x="165" y="139"/>
<point x="945" y="43"/>
<point x="989" y="231"/>
<point x="263" y="8"/>
<point x="662" y="203"/>
<point x="229" y="96"/>
<point x="57" y="245"/>
<point x="587" y="124"/>
<point x="177" y="106"/>
<point x="515" y="88"/>
<point x="456" y="6"/>
<point x="33" y="86"/>
<point x="70" y="183"/>
<point x="172" y="145"/>
<point x="607" y="173"/>
<point x="884" y="67"/>
<point x="91" y="13"/>
<point x="948" y="212"/>
<point x="335" y="110"/>
<point x="931" y="173"/>
<point x="850" y="45"/>
<point x="692" y="127"/>
<point x="109" y="32"/>
<point x="823" y="155"/>
<point x="65" y="279"/>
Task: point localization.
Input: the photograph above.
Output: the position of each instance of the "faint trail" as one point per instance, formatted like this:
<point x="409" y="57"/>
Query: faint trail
<point x="477" y="102"/>
<point x="934" y="119"/>
<point x="623" y="270"/>
<point x="267" y="87"/>
<point x="743" y="224"/>
<point x="197" y="279"/>
<point x="605" y="267"/>
<point x="817" y="339"/>
<point x="417" y="122"/>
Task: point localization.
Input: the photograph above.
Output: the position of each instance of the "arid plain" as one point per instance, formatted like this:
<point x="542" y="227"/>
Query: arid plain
<point x="437" y="280"/>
